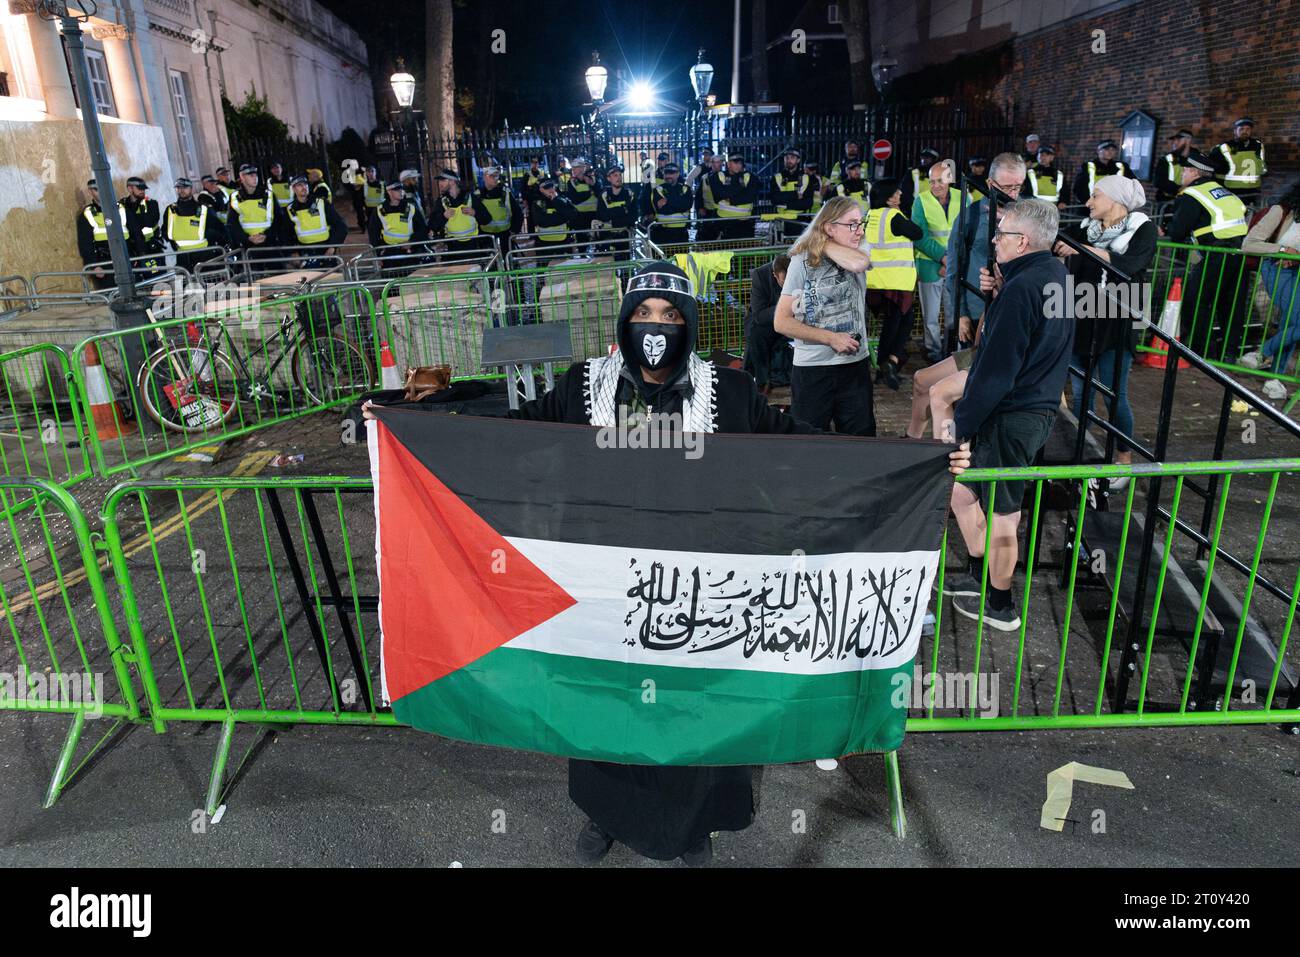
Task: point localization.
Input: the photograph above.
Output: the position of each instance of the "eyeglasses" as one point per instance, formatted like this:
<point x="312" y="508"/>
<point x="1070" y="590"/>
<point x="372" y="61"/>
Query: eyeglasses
<point x="856" y="226"/>
<point x="1012" y="189"/>
<point x="998" y="234"/>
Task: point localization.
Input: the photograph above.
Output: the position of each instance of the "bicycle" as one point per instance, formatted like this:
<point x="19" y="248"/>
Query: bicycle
<point x="198" y="384"/>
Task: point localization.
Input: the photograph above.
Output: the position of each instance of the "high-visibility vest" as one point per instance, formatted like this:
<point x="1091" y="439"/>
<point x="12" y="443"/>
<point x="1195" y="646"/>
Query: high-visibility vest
<point x="817" y="198"/>
<point x="1173" y="168"/>
<point x="97" y="224"/>
<point x="706" y="194"/>
<point x="1120" y="170"/>
<point x="221" y="214"/>
<point x="552" y="234"/>
<point x="374" y="194"/>
<point x="256" y="213"/>
<point x="329" y="193"/>
<point x="1227" y="212"/>
<point x="730" y="210"/>
<point x="531" y="179"/>
<point x="461" y="224"/>
<point x="282" y="193"/>
<point x="673" y="220"/>
<point x="188" y="233"/>
<point x="588" y="203"/>
<point x="793" y="188"/>
<point x="398" y="227"/>
<point x="1046" y="187"/>
<point x="499" y="210"/>
<point x="859" y="196"/>
<point x="920" y="184"/>
<point x="939" y="221"/>
<point x="1245" y="167"/>
<point x="611" y="203"/>
<point x="146" y="232"/>
<point x="311" y="225"/>
<point x="893" y="263"/>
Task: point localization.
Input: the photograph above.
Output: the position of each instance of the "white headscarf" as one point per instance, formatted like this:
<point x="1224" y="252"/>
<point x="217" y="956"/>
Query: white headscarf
<point x="1127" y="192"/>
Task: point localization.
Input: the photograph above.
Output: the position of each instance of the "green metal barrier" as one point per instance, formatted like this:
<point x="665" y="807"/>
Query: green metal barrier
<point x="41" y="428"/>
<point x="229" y="368"/>
<point x="1231" y="302"/>
<point x="1208" y="645"/>
<point x="59" y="647"/>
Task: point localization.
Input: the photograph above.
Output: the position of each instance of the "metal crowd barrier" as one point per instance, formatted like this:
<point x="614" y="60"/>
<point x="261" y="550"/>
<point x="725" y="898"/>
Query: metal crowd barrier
<point x="378" y="265"/>
<point x="42" y="433"/>
<point x="530" y="251"/>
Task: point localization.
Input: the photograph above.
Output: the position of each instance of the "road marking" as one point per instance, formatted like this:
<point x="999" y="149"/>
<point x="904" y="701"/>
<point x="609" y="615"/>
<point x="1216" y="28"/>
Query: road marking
<point x="251" y="465"/>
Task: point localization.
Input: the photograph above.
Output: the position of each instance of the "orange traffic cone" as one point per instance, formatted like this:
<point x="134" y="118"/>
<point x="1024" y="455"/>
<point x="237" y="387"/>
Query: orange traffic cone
<point x="104" y="412"/>
<point x="1169" y="326"/>
<point x="389" y="377"/>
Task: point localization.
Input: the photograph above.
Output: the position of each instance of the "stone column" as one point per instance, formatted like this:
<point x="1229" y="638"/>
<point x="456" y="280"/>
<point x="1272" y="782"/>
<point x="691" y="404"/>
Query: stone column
<point x="121" y="70"/>
<point x="51" y="67"/>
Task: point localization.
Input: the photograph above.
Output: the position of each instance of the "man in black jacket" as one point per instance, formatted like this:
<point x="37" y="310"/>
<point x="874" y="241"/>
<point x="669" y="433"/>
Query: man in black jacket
<point x="767" y="355"/>
<point x="1010" y="401"/>
<point x="143" y="222"/>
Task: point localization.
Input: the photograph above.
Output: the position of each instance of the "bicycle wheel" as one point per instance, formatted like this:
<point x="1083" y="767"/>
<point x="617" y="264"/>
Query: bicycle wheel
<point x="330" y="369"/>
<point x="189" y="389"/>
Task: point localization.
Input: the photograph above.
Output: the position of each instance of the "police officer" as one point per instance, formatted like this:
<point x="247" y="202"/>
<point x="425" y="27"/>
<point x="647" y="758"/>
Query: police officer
<point x="1106" y="164"/>
<point x="977" y="168"/>
<point x="1243" y="162"/>
<point x="1044" y="181"/>
<point x="532" y="178"/>
<point x="455" y="217"/>
<point x="228" y="186"/>
<point x="317" y="186"/>
<point x="617" y="207"/>
<point x="791" y="189"/>
<point x="855" y="187"/>
<point x="737" y="193"/>
<point x="314" y="223"/>
<point x="410" y="179"/>
<point x="278" y="184"/>
<point x="839" y="172"/>
<point x="505" y="215"/>
<point x="672" y="203"/>
<point x="395" y="224"/>
<point x="143" y="222"/>
<point x="92" y="237"/>
<point x="550" y="214"/>
<point x="1207" y="213"/>
<point x="215" y="197"/>
<point x="918" y="179"/>
<point x="653" y="182"/>
<point x="1030" y="155"/>
<point x="581" y="191"/>
<point x="1168" y="176"/>
<point x="191" y="228"/>
<point x="702" y="180"/>
<point x="373" y="193"/>
<point x="813" y="170"/>
<point x="255" y="223"/>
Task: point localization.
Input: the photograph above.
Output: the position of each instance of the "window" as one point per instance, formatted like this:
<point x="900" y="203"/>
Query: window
<point x="184" y="127"/>
<point x="1138" y="144"/>
<point x="99" y="85"/>
<point x="833" y="13"/>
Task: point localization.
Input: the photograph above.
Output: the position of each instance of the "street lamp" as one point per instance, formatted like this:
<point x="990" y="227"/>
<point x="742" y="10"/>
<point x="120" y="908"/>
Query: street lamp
<point x="883" y="70"/>
<point x="403" y="85"/>
<point x="701" y="79"/>
<point x="597" y="78"/>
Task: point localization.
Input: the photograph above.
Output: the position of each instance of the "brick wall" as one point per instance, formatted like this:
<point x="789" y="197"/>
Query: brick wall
<point x="1188" y="63"/>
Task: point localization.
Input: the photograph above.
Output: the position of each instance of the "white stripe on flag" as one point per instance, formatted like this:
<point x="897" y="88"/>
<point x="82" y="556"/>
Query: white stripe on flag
<point x="811" y="615"/>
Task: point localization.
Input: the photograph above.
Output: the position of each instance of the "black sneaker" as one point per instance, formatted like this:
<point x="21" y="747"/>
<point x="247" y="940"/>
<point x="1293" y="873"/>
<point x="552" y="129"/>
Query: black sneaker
<point x="1004" y="619"/>
<point x="889" y="374"/>
<point x="700" y="854"/>
<point x="961" y="583"/>
<point x="593" y="843"/>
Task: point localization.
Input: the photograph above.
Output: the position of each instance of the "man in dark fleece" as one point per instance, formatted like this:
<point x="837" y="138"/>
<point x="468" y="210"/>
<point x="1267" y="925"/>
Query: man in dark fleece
<point x="659" y="811"/>
<point x="1011" y="399"/>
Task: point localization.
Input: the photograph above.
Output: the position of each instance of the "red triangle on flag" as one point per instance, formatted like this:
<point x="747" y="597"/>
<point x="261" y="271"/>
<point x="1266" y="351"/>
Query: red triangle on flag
<point x="452" y="587"/>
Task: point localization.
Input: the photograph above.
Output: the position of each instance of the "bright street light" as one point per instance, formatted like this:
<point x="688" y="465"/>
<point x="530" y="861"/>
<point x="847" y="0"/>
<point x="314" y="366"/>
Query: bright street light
<point x="641" y="96"/>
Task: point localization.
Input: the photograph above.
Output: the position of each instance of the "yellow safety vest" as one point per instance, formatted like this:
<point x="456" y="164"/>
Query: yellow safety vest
<point x="673" y="220"/>
<point x="1046" y="187"/>
<point x="817" y="197"/>
<point x="311" y="225"/>
<point x="1245" y="167"/>
<point x="729" y="210"/>
<point x="461" y="224"/>
<point x="706" y="191"/>
<point x="374" y="195"/>
<point x="587" y="205"/>
<point x="1174" y="169"/>
<point x="146" y="232"/>
<point x="96" y="221"/>
<point x="552" y="234"/>
<point x="398" y="226"/>
<point x="255" y="213"/>
<point x="793" y="187"/>
<point x="188" y="233"/>
<point x="860" y="198"/>
<point x="920" y="184"/>
<point x="282" y="193"/>
<point x="1120" y="170"/>
<point x="1227" y="212"/>
<point x="938" y="221"/>
<point x="499" y="209"/>
<point x="329" y="193"/>
<point x="893" y="263"/>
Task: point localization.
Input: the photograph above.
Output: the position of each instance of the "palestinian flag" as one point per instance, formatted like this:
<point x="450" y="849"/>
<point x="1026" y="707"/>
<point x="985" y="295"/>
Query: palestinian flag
<point x="756" y="602"/>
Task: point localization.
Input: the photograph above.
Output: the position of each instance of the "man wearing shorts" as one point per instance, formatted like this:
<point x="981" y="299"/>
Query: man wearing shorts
<point x="1010" y="402"/>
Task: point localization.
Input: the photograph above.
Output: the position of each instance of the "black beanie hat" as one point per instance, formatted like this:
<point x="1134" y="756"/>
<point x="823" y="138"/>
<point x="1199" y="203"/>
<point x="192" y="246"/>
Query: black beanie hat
<point x="660" y="280"/>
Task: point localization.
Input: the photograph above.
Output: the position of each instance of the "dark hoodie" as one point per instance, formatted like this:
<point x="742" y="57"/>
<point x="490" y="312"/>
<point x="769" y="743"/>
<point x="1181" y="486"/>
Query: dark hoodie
<point x="739" y="407"/>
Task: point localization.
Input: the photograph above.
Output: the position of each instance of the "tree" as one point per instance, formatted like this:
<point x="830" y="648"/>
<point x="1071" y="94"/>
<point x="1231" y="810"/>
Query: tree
<point x="856" y="15"/>
<point x="440" y="77"/>
<point x="252" y="120"/>
<point x="758" y="51"/>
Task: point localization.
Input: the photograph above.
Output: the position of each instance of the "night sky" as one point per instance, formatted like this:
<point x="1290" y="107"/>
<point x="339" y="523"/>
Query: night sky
<point x="540" y="77"/>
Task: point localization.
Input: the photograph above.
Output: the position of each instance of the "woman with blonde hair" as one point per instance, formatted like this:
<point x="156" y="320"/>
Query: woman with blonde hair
<point x="823" y="308"/>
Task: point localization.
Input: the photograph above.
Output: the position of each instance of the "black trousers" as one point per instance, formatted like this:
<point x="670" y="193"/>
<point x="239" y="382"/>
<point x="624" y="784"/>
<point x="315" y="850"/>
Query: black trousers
<point x="840" y="394"/>
<point x="768" y="356"/>
<point x="709" y="228"/>
<point x="736" y="228"/>
<point x="662" y="235"/>
<point x="895" y="332"/>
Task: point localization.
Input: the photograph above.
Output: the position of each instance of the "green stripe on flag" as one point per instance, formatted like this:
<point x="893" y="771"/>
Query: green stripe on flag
<point x="656" y="714"/>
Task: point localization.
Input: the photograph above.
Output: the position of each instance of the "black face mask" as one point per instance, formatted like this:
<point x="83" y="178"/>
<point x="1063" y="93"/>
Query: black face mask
<point x="656" y="345"/>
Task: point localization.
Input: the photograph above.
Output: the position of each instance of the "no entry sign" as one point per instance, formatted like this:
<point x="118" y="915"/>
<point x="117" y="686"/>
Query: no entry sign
<point x="882" y="149"/>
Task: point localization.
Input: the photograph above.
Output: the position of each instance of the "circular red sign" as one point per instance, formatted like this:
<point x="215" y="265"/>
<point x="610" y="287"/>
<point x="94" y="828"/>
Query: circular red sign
<point x="882" y="149"/>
